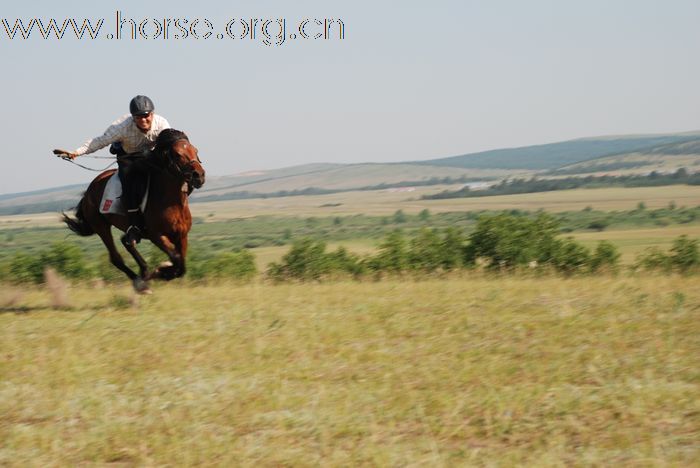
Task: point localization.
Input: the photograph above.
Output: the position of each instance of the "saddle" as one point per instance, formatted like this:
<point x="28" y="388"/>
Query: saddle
<point x="111" y="198"/>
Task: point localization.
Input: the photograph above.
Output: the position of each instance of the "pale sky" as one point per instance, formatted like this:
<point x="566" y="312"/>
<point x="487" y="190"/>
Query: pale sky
<point x="411" y="80"/>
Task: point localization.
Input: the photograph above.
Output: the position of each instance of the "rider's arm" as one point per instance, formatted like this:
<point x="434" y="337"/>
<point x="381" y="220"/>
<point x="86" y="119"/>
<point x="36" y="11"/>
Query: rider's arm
<point x="114" y="132"/>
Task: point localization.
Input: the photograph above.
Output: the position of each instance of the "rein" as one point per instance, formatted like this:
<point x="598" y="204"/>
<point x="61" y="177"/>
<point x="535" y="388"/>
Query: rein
<point x="90" y="168"/>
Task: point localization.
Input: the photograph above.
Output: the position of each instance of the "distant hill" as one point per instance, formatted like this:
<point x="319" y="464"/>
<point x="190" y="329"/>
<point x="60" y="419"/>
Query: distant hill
<point x="635" y="153"/>
<point x="663" y="158"/>
<point x="554" y="155"/>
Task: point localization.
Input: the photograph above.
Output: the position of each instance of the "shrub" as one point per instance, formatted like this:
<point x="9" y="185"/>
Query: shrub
<point x="400" y="217"/>
<point x="570" y="257"/>
<point x="238" y="265"/>
<point x="684" y="255"/>
<point x="507" y="241"/>
<point x="306" y="260"/>
<point x="652" y="259"/>
<point x="24" y="268"/>
<point x="605" y="258"/>
<point x="393" y="254"/>
<point x="67" y="259"/>
<point x="425" y="252"/>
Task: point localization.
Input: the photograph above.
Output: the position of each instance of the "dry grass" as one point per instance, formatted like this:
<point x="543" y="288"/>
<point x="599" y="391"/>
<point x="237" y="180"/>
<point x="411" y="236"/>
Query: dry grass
<point x="460" y="371"/>
<point x="386" y="203"/>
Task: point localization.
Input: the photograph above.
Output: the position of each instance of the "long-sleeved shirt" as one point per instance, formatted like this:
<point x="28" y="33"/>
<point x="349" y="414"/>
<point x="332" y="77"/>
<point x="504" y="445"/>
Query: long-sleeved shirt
<point x="125" y="131"/>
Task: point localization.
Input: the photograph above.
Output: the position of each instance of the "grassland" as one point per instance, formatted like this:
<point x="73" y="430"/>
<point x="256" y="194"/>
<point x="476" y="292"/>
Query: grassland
<point x="386" y="202"/>
<point x="459" y="371"/>
<point x="631" y="242"/>
<point x="382" y="203"/>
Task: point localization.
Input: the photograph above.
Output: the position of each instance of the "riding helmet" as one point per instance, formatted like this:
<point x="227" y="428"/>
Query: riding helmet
<point x="141" y="105"/>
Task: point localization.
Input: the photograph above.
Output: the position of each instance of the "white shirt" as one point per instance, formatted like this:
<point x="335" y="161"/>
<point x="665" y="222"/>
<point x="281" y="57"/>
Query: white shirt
<point x="125" y="131"/>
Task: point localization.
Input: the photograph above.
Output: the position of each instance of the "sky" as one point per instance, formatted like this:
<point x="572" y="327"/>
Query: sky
<point x="410" y="80"/>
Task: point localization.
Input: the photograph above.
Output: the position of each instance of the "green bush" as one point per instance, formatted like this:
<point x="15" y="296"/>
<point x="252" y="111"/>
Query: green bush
<point x="605" y="258"/>
<point x="684" y="255"/>
<point x="425" y="251"/>
<point x="24" y="268"/>
<point x="393" y="254"/>
<point x="67" y="259"/>
<point x="570" y="257"/>
<point x="238" y="265"/>
<point x="653" y="259"/>
<point x="400" y="217"/>
<point x="308" y="260"/>
<point x="506" y="241"/>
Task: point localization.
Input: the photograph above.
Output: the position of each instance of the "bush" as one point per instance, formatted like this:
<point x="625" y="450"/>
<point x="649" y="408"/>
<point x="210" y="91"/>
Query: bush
<point x="653" y="259"/>
<point x="684" y="255"/>
<point x="237" y="265"/>
<point x="570" y="257"/>
<point x="67" y="259"/>
<point x="24" y="268"/>
<point x="425" y="252"/>
<point x="400" y="217"/>
<point x="605" y="258"/>
<point x="393" y="254"/>
<point x="308" y="260"/>
<point x="506" y="241"/>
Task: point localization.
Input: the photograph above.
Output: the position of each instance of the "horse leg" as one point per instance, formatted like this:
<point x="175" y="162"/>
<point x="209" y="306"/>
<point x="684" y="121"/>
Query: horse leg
<point x="176" y="253"/>
<point x="115" y="257"/>
<point x="131" y="248"/>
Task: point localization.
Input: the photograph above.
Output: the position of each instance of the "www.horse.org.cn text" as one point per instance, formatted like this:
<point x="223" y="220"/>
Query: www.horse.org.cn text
<point x="267" y="31"/>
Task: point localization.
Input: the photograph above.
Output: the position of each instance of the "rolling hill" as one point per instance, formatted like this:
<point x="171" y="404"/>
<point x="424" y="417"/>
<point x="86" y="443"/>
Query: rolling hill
<point x="555" y="155"/>
<point x="621" y="154"/>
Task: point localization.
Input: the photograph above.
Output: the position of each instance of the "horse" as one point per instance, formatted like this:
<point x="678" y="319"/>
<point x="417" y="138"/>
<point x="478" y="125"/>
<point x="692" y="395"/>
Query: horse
<point x="175" y="170"/>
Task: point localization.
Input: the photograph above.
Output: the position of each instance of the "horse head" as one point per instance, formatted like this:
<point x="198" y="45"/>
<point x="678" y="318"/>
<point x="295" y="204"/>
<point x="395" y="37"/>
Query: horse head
<point x="180" y="157"/>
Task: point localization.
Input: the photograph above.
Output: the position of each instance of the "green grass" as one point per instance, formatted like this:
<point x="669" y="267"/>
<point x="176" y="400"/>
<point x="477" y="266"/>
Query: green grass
<point x="458" y="371"/>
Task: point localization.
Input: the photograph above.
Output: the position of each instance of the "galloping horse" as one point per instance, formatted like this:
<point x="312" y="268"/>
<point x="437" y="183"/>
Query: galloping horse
<point x="175" y="171"/>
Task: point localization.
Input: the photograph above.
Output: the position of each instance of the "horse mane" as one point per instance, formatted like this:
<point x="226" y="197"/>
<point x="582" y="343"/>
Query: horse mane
<point x="167" y="137"/>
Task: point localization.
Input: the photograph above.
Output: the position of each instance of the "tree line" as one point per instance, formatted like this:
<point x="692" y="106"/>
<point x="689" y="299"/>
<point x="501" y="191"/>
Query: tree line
<point x="534" y="185"/>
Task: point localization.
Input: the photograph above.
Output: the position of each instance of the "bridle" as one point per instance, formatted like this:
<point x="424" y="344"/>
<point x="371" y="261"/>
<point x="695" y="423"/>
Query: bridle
<point x="175" y="168"/>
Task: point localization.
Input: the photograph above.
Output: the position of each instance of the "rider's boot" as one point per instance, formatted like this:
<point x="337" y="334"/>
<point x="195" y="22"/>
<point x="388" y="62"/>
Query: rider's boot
<point x="134" y="232"/>
<point x="133" y="187"/>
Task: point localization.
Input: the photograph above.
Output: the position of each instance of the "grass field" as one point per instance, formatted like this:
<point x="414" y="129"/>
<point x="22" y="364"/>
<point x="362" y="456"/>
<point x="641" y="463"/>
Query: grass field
<point x="460" y="371"/>
<point x="631" y="242"/>
<point x="386" y="202"/>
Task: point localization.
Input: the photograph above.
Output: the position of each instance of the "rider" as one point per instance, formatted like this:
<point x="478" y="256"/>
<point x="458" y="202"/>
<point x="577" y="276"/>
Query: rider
<point x="132" y="137"/>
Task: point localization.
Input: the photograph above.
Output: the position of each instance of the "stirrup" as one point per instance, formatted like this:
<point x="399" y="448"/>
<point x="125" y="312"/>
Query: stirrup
<point x="132" y="236"/>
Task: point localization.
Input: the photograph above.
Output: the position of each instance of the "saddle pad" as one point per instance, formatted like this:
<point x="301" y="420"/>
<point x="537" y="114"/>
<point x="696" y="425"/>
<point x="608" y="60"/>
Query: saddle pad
<point x="111" y="198"/>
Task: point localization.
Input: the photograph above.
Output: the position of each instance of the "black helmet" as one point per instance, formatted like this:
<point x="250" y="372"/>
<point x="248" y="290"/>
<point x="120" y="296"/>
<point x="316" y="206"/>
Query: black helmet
<point x="141" y="105"/>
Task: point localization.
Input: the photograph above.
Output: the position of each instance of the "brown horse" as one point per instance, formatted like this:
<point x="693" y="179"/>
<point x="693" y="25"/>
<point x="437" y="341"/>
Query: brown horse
<point x="175" y="171"/>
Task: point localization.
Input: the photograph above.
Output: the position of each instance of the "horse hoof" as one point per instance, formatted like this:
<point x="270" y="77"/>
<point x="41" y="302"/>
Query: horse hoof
<point x="165" y="264"/>
<point x="141" y="286"/>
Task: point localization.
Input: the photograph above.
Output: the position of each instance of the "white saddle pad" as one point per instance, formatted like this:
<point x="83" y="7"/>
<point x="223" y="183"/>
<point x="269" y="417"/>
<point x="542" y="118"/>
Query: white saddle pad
<point x="111" y="198"/>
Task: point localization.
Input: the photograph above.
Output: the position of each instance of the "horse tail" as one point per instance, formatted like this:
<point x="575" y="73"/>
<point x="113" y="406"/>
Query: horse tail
<point x="78" y="225"/>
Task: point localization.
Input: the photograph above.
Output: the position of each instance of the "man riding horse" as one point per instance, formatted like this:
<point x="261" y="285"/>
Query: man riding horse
<point x="131" y="138"/>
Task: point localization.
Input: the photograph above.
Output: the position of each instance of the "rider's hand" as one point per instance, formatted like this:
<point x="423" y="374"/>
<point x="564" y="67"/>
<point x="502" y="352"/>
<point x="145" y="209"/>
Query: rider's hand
<point x="64" y="154"/>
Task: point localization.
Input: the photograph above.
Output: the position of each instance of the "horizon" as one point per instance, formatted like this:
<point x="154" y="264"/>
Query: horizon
<point x="398" y="84"/>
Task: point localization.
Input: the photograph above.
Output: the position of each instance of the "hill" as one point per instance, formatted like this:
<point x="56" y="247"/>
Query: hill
<point x="636" y="153"/>
<point x="555" y="155"/>
<point x="662" y="158"/>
